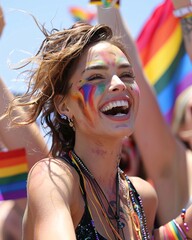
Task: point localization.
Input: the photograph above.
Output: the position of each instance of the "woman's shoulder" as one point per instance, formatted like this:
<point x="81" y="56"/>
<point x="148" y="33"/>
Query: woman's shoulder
<point x="51" y="167"/>
<point x="52" y="195"/>
<point x="143" y="187"/>
<point x="52" y="173"/>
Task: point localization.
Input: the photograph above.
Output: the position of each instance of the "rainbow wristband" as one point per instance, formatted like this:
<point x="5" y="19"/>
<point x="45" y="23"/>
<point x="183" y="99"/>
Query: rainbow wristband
<point x="171" y="231"/>
<point x="105" y="3"/>
<point x="180" y="229"/>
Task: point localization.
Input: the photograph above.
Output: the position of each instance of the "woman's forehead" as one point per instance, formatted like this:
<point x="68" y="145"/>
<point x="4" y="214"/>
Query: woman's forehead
<point x="105" y="46"/>
<point x="105" y="51"/>
<point x="102" y="53"/>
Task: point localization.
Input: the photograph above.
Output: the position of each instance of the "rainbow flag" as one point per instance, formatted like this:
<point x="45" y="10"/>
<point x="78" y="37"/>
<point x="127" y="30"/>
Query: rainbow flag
<point x="104" y="3"/>
<point x="164" y="58"/>
<point x="80" y="14"/>
<point x="13" y="174"/>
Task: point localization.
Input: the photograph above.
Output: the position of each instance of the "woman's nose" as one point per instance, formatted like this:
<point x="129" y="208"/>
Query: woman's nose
<point x="116" y="84"/>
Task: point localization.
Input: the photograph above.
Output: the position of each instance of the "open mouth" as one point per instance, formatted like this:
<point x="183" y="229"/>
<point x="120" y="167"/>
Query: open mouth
<point x="116" y="108"/>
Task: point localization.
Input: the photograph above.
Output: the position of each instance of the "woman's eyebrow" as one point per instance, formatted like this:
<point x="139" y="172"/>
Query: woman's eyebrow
<point x="105" y="67"/>
<point x="95" y="67"/>
<point x="125" y="65"/>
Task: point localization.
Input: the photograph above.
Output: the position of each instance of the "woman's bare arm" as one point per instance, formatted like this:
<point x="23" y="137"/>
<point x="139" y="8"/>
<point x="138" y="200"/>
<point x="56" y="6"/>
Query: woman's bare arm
<point x="2" y="22"/>
<point x="49" y="215"/>
<point x="28" y="137"/>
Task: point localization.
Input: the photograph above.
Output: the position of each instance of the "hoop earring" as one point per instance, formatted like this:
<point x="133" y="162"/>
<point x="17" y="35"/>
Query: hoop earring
<point x="63" y="116"/>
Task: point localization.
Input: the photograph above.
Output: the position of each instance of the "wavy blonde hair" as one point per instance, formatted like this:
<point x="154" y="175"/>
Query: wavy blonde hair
<point x="179" y="109"/>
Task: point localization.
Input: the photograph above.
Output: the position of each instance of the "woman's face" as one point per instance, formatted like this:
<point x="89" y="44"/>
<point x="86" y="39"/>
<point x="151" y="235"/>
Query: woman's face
<point x="103" y="99"/>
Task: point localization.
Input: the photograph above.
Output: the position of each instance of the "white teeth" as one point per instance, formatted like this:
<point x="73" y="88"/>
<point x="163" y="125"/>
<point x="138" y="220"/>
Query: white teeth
<point x="114" y="104"/>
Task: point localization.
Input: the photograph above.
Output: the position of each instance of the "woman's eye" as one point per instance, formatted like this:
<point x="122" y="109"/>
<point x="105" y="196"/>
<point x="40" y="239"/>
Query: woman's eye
<point x="95" y="77"/>
<point x="127" y="75"/>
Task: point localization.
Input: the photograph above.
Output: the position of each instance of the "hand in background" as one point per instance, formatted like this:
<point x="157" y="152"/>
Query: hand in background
<point x="2" y="22"/>
<point x="186" y="24"/>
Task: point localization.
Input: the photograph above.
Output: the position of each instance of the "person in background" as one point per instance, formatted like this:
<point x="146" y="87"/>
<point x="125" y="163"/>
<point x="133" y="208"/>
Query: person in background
<point x="131" y="162"/>
<point x="182" y="118"/>
<point x="182" y="128"/>
<point x="165" y="158"/>
<point x="14" y="138"/>
<point x="30" y="138"/>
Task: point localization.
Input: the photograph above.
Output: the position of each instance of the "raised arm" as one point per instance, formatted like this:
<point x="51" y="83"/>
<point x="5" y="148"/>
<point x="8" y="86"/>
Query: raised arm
<point x="163" y="156"/>
<point x="182" y="7"/>
<point x="2" y="22"/>
<point x="28" y="137"/>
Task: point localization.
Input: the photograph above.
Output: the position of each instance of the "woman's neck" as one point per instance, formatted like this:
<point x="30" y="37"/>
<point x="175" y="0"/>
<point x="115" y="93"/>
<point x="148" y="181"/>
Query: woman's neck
<point x="102" y="160"/>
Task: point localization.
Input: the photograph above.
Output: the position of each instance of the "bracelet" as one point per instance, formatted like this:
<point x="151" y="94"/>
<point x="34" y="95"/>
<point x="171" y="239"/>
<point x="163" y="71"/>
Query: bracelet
<point x="181" y="12"/>
<point x="183" y="212"/>
<point x="189" y="15"/>
<point x="180" y="229"/>
<point x="173" y="232"/>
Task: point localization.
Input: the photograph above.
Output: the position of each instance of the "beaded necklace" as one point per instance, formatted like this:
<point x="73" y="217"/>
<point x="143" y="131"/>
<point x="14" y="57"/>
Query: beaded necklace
<point x="98" y="194"/>
<point x="136" y="214"/>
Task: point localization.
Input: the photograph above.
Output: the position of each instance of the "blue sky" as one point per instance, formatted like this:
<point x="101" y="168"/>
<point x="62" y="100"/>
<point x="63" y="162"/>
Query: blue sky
<point x="21" y="35"/>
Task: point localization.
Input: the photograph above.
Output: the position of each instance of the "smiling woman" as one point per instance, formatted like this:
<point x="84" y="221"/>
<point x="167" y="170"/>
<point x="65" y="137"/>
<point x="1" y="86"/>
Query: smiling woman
<point x="85" y="90"/>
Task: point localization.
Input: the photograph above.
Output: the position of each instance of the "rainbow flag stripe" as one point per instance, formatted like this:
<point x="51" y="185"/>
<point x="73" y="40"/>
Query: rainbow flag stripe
<point x="164" y="58"/>
<point x="105" y="3"/>
<point x="13" y="174"/>
<point x="80" y="14"/>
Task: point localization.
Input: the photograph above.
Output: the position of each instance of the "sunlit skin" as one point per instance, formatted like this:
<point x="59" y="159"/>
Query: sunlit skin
<point x="102" y="68"/>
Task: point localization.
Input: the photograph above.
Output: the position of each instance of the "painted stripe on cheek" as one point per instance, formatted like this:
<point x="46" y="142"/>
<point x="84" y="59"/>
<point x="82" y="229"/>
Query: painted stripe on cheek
<point x="80" y="99"/>
<point x="100" y="89"/>
<point x="88" y="93"/>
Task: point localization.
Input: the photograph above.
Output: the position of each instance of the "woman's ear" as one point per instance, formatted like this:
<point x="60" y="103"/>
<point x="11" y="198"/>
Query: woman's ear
<point x="61" y="106"/>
